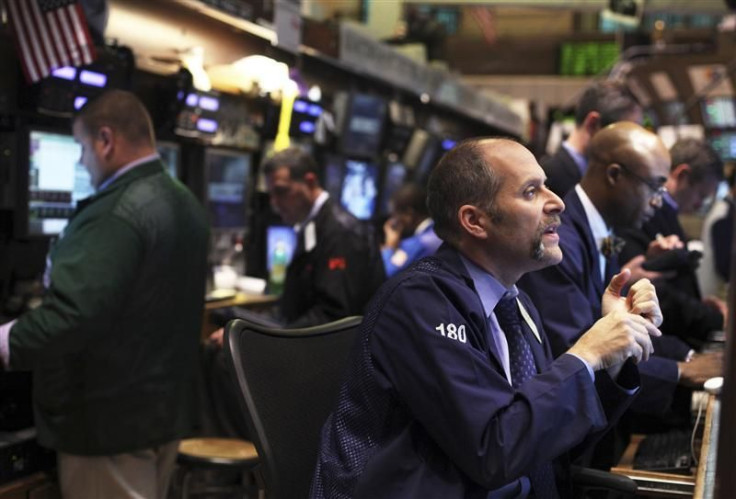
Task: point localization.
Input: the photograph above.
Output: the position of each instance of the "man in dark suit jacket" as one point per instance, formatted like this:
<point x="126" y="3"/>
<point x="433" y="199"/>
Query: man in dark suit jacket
<point x="696" y="171"/>
<point x="453" y="391"/>
<point x="622" y="187"/>
<point x="600" y="105"/>
<point x="337" y="264"/>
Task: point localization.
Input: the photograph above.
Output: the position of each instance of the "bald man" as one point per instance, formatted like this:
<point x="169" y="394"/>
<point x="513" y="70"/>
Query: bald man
<point x="622" y="188"/>
<point x="453" y="392"/>
<point x="113" y="347"/>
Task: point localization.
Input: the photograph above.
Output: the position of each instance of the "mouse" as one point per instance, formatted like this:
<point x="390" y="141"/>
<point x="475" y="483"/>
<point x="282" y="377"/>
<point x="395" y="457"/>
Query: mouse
<point x="713" y="385"/>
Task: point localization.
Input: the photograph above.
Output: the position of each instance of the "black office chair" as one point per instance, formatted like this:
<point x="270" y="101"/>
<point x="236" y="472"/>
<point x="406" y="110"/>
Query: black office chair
<point x="289" y="380"/>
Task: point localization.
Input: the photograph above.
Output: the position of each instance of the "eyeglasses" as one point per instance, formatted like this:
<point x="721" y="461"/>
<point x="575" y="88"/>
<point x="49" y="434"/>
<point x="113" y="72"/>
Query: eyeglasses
<point x="658" y="190"/>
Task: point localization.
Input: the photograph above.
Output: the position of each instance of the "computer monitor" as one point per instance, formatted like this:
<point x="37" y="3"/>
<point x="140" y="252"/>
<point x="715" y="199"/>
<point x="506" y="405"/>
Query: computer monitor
<point x="56" y="181"/>
<point x="359" y="188"/>
<point x="304" y="116"/>
<point x="364" y="124"/>
<point x="674" y="113"/>
<point x="280" y="245"/>
<point x="718" y="112"/>
<point x="169" y="153"/>
<point x="393" y="178"/>
<point x="333" y="175"/>
<point x="724" y="142"/>
<point x="227" y="187"/>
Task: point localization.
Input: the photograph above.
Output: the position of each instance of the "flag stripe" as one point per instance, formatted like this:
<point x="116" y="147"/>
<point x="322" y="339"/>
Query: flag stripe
<point x="49" y="34"/>
<point x="64" y="54"/>
<point x="27" y="22"/>
<point x="28" y="67"/>
<point x="74" y="11"/>
<point x="68" y="38"/>
<point x="41" y="28"/>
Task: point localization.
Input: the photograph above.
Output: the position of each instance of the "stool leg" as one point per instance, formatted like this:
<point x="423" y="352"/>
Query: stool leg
<point x="185" y="482"/>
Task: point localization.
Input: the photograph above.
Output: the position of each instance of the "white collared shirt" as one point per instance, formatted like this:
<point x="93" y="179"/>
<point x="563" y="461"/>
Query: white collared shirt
<point x="597" y="226"/>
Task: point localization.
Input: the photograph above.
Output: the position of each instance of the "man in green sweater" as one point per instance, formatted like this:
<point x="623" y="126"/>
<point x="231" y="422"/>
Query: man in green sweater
<point x="113" y="344"/>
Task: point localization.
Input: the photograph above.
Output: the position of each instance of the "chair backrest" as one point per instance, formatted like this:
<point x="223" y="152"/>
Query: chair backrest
<point x="288" y="380"/>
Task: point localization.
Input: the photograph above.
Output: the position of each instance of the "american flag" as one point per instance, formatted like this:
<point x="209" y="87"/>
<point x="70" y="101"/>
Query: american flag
<point x="50" y="34"/>
<point x="484" y="17"/>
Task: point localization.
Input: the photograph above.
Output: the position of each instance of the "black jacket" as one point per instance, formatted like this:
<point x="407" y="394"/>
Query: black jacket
<point x="685" y="314"/>
<point x="338" y="276"/>
<point x="562" y="172"/>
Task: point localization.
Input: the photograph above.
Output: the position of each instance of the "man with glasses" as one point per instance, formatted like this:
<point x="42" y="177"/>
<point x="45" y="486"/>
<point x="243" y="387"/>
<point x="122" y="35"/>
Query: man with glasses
<point x="623" y="187"/>
<point x="694" y="177"/>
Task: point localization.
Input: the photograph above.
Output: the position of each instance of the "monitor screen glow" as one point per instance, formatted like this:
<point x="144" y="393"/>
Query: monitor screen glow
<point x="725" y="144"/>
<point x="719" y="112"/>
<point x="280" y="245"/>
<point x="359" y="188"/>
<point x="56" y="182"/>
<point x="394" y="178"/>
<point x="227" y="178"/>
<point x="364" y="126"/>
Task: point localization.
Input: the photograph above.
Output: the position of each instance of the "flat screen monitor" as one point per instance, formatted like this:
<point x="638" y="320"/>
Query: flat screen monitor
<point x="56" y="181"/>
<point x="674" y="113"/>
<point x="169" y="154"/>
<point x="227" y="186"/>
<point x="333" y="175"/>
<point x="724" y="143"/>
<point x="393" y="178"/>
<point x="359" y="188"/>
<point x="397" y="139"/>
<point x="304" y="116"/>
<point x="280" y="245"/>
<point x="718" y="112"/>
<point x="364" y="124"/>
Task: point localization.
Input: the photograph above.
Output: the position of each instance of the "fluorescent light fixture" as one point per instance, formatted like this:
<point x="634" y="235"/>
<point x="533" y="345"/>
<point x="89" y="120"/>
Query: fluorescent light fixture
<point x="79" y="101"/>
<point x="306" y="127"/>
<point x="65" y="72"/>
<point x="192" y="100"/>
<point x="300" y="106"/>
<point x="209" y="103"/>
<point x="206" y="125"/>
<point x="92" y="78"/>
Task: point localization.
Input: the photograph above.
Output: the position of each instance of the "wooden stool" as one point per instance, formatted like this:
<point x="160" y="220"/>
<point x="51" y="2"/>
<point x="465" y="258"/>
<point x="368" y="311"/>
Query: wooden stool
<point x="225" y="454"/>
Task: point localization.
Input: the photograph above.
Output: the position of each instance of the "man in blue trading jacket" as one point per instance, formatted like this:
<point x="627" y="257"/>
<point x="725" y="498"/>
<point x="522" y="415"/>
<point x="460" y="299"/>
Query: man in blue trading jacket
<point x="622" y="188"/>
<point x="409" y="231"/>
<point x="114" y="344"/>
<point x="452" y="390"/>
<point x="336" y="266"/>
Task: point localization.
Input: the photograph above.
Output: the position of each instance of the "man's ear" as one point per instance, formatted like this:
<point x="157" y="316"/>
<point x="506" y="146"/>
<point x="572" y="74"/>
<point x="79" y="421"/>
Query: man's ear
<point x="310" y="178"/>
<point x="592" y="122"/>
<point x="471" y="221"/>
<point x="681" y="173"/>
<point x="106" y="137"/>
<point x="613" y="173"/>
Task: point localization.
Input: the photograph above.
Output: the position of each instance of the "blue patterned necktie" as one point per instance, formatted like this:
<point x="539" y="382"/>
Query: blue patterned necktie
<point x="523" y="367"/>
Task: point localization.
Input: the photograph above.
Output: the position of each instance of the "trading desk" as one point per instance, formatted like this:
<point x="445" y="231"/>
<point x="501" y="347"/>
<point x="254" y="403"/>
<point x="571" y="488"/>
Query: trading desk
<point x="255" y="302"/>
<point x="700" y="484"/>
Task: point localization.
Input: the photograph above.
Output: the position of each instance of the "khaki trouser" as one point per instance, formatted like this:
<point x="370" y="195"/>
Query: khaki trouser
<point x="143" y="474"/>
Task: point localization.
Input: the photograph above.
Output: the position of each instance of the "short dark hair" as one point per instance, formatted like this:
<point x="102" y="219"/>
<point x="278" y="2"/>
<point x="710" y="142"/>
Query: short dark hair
<point x="410" y="197"/>
<point x="612" y="100"/>
<point x="704" y="161"/>
<point x="461" y="177"/>
<point x="296" y="159"/>
<point x="120" y="110"/>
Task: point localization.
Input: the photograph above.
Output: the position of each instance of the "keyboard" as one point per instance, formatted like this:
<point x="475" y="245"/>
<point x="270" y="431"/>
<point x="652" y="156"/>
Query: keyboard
<point x="665" y="452"/>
